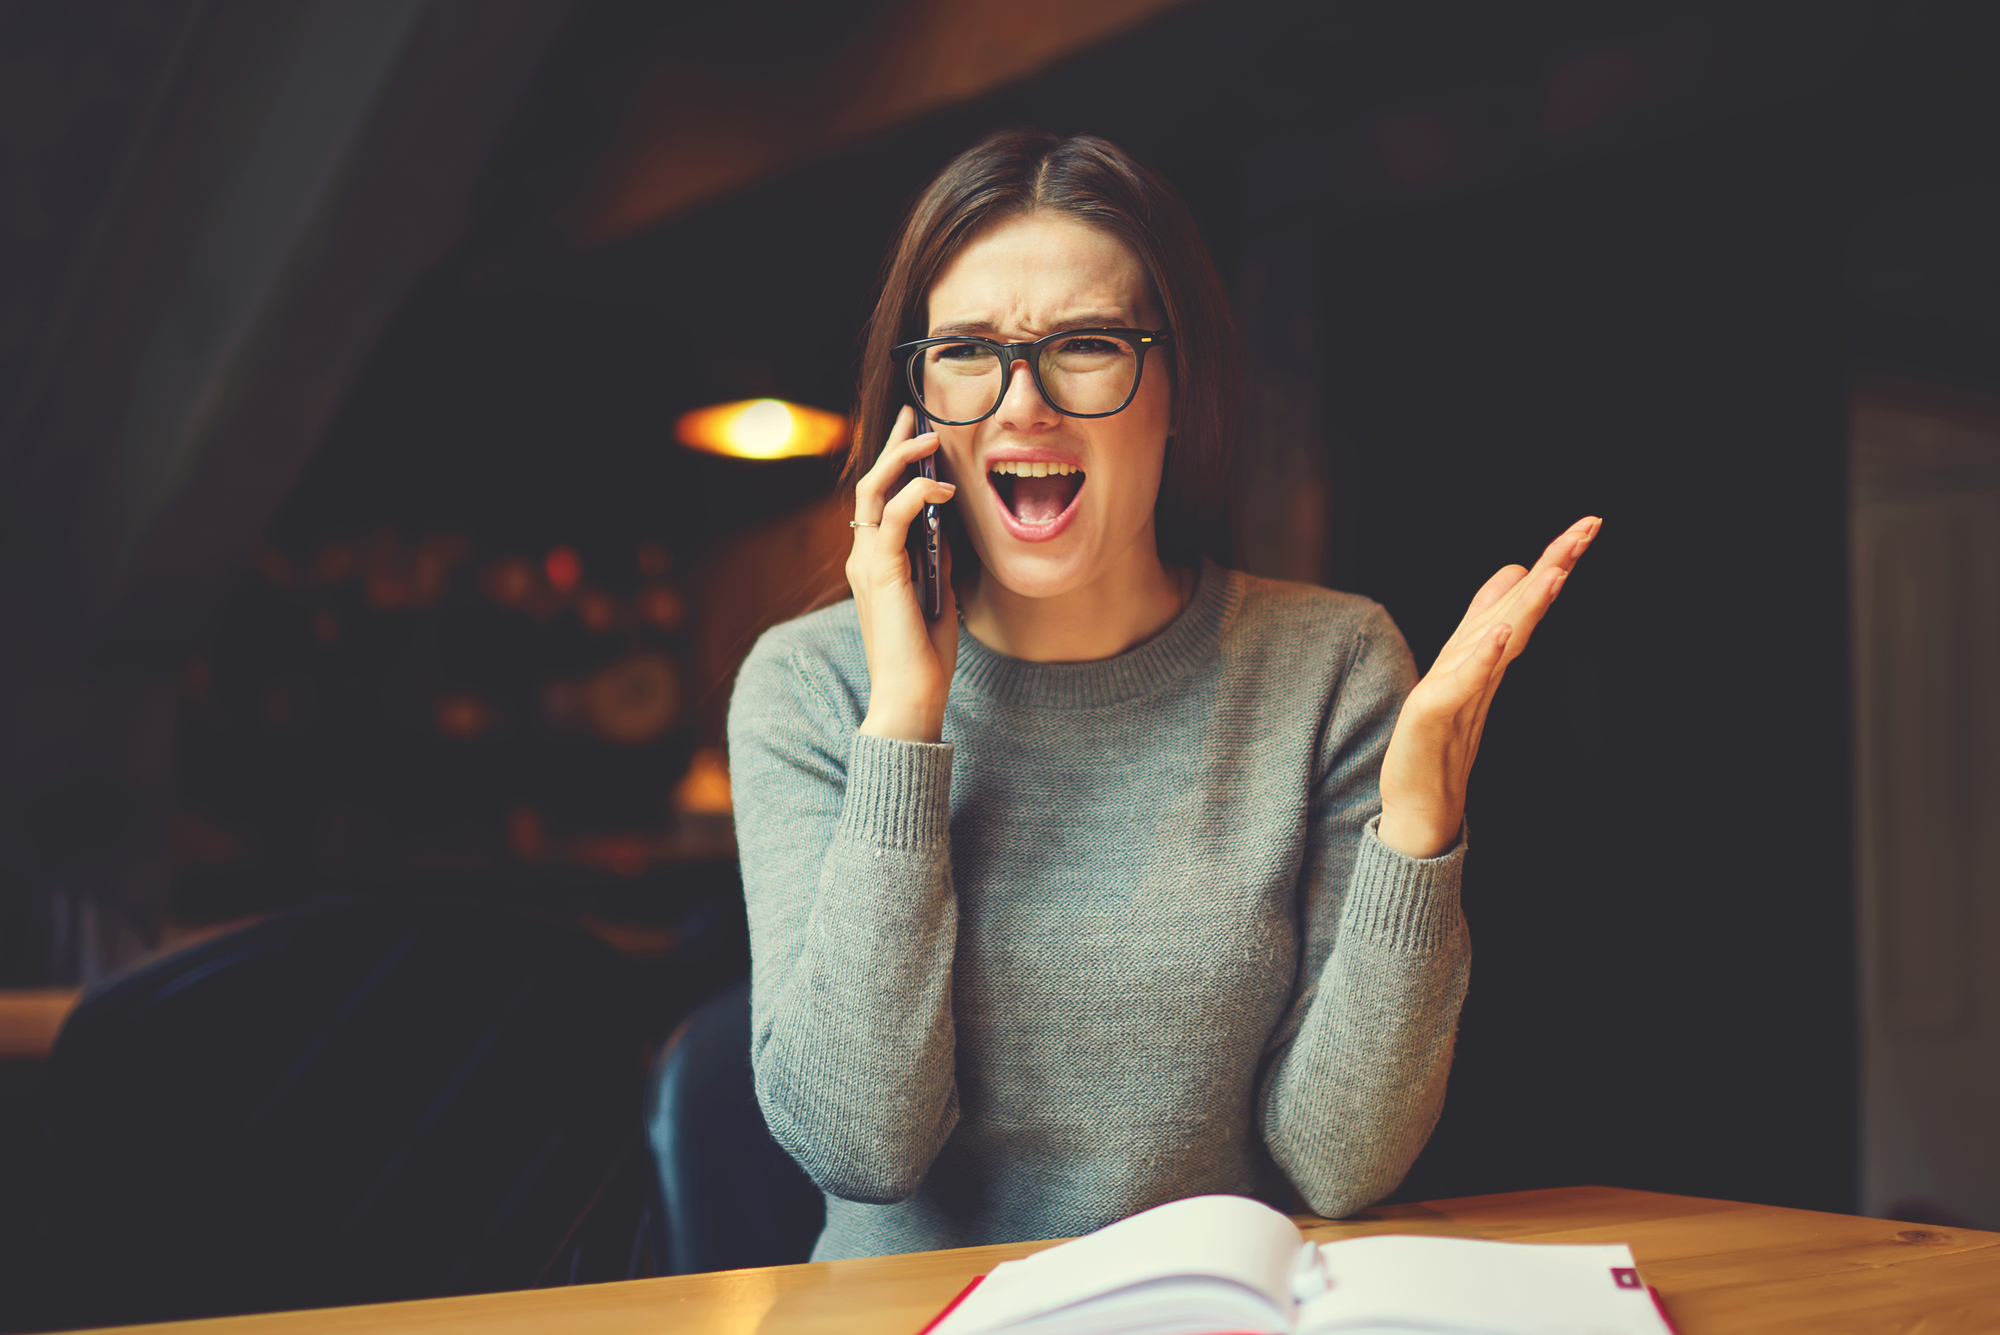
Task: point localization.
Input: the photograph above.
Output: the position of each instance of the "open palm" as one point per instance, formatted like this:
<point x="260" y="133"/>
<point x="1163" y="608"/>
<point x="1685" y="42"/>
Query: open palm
<point x="1429" y="761"/>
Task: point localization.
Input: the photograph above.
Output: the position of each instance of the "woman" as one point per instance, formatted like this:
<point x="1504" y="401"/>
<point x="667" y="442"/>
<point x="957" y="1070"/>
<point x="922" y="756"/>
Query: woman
<point x="1131" y="877"/>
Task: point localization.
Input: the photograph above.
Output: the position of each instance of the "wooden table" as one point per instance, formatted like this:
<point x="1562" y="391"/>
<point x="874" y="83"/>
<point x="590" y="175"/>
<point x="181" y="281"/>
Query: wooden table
<point x="1719" y="1266"/>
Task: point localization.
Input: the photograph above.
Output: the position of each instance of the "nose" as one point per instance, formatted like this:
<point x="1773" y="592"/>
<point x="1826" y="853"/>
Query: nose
<point x="1022" y="407"/>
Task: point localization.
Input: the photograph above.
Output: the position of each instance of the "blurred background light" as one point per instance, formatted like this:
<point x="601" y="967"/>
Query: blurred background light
<point x="564" y="568"/>
<point x="762" y="429"/>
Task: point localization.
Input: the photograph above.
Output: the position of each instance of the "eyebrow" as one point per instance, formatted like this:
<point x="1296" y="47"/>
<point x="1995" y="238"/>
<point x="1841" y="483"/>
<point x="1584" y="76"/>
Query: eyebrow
<point x="1082" y="320"/>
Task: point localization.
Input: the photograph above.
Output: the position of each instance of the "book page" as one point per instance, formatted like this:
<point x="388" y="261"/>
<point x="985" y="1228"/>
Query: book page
<point x="1228" y="1238"/>
<point x="1467" y="1286"/>
<point x="1190" y="1305"/>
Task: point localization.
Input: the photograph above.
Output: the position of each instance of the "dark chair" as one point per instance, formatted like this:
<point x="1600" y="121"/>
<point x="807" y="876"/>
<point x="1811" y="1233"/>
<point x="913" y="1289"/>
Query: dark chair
<point x="732" y="1197"/>
<point x="352" y="1104"/>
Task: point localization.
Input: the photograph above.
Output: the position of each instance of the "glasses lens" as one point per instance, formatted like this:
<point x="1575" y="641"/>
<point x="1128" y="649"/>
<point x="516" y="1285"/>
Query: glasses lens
<point x="959" y="382"/>
<point x="1089" y="373"/>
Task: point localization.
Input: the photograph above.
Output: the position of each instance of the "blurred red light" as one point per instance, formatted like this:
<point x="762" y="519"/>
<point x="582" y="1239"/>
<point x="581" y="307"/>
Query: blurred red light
<point x="661" y="606"/>
<point x="463" y="717"/>
<point x="527" y="836"/>
<point x="598" y="611"/>
<point x="564" y="568"/>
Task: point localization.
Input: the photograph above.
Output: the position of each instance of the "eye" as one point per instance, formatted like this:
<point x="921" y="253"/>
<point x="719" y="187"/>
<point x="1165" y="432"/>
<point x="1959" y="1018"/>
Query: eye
<point x="1090" y="346"/>
<point x="960" y="352"/>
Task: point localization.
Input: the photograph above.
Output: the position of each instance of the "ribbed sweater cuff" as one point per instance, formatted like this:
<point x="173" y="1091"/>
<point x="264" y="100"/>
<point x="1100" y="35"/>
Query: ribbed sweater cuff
<point x="898" y="793"/>
<point x="1402" y="902"/>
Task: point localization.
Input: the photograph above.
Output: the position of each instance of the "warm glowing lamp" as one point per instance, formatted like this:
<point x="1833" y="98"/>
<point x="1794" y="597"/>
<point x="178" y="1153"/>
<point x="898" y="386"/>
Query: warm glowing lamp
<point x="762" y="429"/>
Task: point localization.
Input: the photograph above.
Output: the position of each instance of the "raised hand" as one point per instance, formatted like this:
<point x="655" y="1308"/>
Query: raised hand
<point x="1429" y="761"/>
<point x="910" y="660"/>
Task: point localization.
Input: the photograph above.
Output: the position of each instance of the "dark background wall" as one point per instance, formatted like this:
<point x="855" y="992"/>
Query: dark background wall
<point x="1662" y="897"/>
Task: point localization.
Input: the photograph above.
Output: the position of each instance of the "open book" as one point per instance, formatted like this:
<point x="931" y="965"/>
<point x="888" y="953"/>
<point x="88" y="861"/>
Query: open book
<point x="1214" y="1264"/>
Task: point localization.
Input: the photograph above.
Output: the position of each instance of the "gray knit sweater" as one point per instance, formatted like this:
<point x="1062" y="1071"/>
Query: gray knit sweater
<point x="1126" y="935"/>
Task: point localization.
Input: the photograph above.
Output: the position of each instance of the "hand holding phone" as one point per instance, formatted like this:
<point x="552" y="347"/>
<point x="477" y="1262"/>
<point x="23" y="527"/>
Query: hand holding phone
<point x="898" y="552"/>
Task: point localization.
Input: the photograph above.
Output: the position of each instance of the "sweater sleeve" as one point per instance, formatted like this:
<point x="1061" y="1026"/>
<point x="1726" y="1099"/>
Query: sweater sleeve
<point x="846" y="858"/>
<point x="1356" y="1076"/>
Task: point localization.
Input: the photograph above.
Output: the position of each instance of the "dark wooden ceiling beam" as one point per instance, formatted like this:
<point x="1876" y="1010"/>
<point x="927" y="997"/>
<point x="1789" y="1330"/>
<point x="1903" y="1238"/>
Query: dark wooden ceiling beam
<point x="708" y="122"/>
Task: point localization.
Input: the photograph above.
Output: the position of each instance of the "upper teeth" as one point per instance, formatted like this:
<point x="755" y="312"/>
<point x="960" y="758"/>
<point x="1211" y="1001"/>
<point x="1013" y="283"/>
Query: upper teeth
<point x="1016" y="468"/>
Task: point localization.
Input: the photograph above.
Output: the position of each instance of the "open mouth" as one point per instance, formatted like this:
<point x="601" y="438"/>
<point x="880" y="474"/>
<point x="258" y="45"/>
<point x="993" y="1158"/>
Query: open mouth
<point x="1036" y="494"/>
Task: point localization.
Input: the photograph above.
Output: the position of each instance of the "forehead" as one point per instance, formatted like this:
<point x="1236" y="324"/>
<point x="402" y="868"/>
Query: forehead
<point x="1039" y="271"/>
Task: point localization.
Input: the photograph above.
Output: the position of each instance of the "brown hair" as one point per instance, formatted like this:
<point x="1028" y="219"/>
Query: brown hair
<point x="1095" y="182"/>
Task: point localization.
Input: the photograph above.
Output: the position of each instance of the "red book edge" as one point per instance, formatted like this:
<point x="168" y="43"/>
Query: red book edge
<point x="950" y="1305"/>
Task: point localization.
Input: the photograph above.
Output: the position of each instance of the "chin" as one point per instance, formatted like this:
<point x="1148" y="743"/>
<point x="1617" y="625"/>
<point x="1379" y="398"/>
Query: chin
<point x="1050" y="569"/>
<point x="1037" y="574"/>
<point x="1040" y="589"/>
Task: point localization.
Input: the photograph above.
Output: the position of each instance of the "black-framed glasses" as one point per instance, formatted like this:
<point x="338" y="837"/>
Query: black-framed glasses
<point x="960" y="380"/>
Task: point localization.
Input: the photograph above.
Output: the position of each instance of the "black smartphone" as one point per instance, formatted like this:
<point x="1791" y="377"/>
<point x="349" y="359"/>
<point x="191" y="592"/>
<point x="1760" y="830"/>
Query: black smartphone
<point x="926" y="538"/>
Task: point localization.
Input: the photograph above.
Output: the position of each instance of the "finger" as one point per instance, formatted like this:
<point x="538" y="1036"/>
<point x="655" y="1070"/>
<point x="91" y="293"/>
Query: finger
<point x="873" y="489"/>
<point x="902" y="509"/>
<point x="870" y="490"/>
<point x="1485" y="664"/>
<point x="1452" y="702"/>
<point x="1480" y="613"/>
<point x="1530" y="596"/>
<point x="889" y="473"/>
<point x="1493" y="590"/>
<point x="899" y="453"/>
<point x="1475" y="670"/>
<point x="1569" y="545"/>
<point x="1522" y="596"/>
<point x="1555" y="562"/>
<point x="1530" y="602"/>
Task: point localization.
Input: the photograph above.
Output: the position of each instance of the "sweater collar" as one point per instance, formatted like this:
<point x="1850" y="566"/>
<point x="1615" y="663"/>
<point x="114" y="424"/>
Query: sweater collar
<point x="1188" y="641"/>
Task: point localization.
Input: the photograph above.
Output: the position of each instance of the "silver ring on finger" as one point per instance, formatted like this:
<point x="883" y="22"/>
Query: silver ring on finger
<point x="861" y="523"/>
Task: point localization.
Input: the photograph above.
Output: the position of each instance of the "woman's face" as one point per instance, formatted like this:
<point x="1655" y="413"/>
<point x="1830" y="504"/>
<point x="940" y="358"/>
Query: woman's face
<point x="1041" y="537"/>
